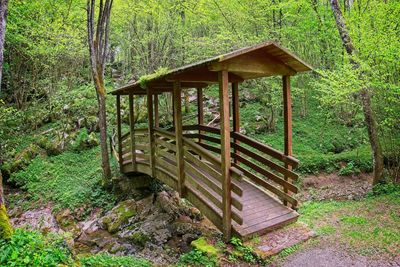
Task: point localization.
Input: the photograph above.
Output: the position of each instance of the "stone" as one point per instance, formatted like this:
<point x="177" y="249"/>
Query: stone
<point x="274" y="242"/>
<point x="168" y="203"/>
<point x="202" y="245"/>
<point x="181" y="228"/>
<point x="119" y="215"/>
<point x="139" y="238"/>
<point x="64" y="218"/>
<point x="195" y="214"/>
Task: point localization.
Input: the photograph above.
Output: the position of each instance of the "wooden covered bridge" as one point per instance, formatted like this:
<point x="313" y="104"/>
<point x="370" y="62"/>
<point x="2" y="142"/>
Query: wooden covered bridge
<point x="243" y="186"/>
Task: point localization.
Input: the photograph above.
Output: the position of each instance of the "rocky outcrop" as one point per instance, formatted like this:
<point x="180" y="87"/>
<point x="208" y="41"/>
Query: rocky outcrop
<point x="119" y="215"/>
<point x="158" y="227"/>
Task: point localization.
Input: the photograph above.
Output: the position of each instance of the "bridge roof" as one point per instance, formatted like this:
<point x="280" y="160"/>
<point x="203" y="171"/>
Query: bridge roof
<point x="262" y="60"/>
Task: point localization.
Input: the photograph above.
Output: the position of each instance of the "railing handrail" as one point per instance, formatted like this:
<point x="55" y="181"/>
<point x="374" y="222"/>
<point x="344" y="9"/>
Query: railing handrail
<point x="251" y="142"/>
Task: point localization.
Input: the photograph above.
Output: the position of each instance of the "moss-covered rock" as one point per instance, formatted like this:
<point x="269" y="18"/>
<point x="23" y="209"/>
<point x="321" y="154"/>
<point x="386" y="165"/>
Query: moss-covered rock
<point x="139" y="238"/>
<point x="6" y="229"/>
<point x="202" y="245"/>
<point x="119" y="214"/>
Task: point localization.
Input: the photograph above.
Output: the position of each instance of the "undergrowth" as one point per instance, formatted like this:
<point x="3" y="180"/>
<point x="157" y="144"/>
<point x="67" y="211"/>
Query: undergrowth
<point x="69" y="180"/>
<point x="196" y="258"/>
<point x="33" y="249"/>
<point x="105" y="260"/>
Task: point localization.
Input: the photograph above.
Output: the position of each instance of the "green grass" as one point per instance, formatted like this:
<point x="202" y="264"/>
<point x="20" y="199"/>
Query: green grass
<point x="370" y="225"/>
<point x="104" y="260"/>
<point x="69" y="180"/>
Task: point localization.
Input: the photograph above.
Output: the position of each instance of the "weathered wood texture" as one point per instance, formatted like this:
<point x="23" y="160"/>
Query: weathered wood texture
<point x="287" y="121"/>
<point x="151" y="132"/>
<point x="225" y="154"/>
<point x="255" y="206"/>
<point x="132" y="129"/>
<point x="178" y="135"/>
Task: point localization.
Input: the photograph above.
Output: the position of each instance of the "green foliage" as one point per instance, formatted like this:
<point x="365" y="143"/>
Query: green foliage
<point x="84" y="140"/>
<point x="290" y="250"/>
<point x="353" y="220"/>
<point x="104" y="260"/>
<point x="196" y="258"/>
<point x="68" y="180"/>
<point x="243" y="252"/>
<point x="34" y="249"/>
<point x="385" y="188"/>
<point x="204" y="246"/>
<point x="349" y="169"/>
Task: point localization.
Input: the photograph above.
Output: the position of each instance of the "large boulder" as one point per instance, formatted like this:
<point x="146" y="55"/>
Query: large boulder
<point x="119" y="215"/>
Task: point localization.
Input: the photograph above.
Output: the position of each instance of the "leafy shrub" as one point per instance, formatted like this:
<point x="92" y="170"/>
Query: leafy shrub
<point x="104" y="260"/>
<point x="385" y="189"/>
<point x="84" y="140"/>
<point x="349" y="169"/>
<point x="50" y="146"/>
<point x="196" y="258"/>
<point x="34" y="249"/>
<point x="244" y="252"/>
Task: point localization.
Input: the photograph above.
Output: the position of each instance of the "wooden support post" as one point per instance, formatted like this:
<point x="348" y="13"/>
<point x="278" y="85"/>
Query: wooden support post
<point x="173" y="108"/>
<point x="200" y="109"/>
<point x="119" y="132"/>
<point x="156" y="115"/>
<point x="179" y="138"/>
<point x="132" y="130"/>
<point x="225" y="154"/>
<point x="152" y="143"/>
<point x="287" y="111"/>
<point x="235" y="114"/>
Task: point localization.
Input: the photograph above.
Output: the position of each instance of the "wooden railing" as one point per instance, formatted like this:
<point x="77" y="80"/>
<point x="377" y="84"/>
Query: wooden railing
<point x="262" y="164"/>
<point x="201" y="177"/>
<point x="202" y="170"/>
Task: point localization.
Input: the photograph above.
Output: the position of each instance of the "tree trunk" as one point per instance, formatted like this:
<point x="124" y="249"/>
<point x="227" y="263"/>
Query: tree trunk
<point x="98" y="48"/>
<point x="6" y="229"/>
<point x="3" y="20"/>
<point x="105" y="161"/>
<point x="369" y="118"/>
<point x="187" y="101"/>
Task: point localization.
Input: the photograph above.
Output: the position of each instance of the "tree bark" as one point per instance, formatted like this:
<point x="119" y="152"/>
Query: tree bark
<point x="98" y="47"/>
<point x="365" y="96"/>
<point x="3" y="20"/>
<point x="6" y="229"/>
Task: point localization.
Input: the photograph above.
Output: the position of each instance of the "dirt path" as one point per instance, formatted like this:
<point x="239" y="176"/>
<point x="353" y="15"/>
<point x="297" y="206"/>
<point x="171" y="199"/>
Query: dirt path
<point x="333" y="257"/>
<point x="328" y="250"/>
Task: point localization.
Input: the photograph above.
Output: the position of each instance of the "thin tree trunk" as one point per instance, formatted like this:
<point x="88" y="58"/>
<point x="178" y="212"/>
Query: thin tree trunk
<point x="6" y="229"/>
<point x="98" y="48"/>
<point x="369" y="118"/>
<point x="3" y="20"/>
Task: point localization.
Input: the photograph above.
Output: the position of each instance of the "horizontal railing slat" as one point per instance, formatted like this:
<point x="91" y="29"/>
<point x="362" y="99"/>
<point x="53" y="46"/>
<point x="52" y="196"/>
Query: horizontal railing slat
<point x="265" y="149"/>
<point x="266" y="173"/>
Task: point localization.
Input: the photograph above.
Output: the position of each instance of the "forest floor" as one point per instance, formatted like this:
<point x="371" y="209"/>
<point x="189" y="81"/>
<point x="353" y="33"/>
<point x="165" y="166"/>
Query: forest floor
<point x="352" y="227"/>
